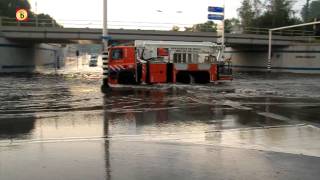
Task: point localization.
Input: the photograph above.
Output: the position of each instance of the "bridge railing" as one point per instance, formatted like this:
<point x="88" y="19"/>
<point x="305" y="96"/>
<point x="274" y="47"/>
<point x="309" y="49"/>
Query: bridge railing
<point x="290" y="32"/>
<point x="40" y="22"/>
<point x="34" y="22"/>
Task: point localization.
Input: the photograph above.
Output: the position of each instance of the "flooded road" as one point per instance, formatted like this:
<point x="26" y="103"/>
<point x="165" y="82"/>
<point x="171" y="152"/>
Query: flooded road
<point x="259" y="126"/>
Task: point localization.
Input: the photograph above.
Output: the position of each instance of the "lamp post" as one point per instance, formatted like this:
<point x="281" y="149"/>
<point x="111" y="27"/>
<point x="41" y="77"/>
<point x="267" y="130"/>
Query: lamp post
<point x="105" y="24"/>
<point x="105" y="55"/>
<point x="105" y="39"/>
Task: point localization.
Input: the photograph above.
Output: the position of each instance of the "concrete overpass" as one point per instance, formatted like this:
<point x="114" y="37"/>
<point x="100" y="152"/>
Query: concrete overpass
<point x="67" y="35"/>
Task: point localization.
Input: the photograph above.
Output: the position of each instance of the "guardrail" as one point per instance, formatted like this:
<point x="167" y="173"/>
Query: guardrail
<point x="37" y="22"/>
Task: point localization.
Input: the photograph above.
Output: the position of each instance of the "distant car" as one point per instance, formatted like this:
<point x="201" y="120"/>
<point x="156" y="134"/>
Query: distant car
<point x="93" y="61"/>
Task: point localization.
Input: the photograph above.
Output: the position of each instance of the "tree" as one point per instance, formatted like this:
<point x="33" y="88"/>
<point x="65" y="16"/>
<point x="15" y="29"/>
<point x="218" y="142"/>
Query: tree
<point x="8" y="10"/>
<point x="175" y="28"/>
<point x="46" y="20"/>
<point x="278" y="13"/>
<point x="8" y="7"/>
<point x="270" y="14"/>
<point x="310" y="13"/>
<point x="246" y="13"/>
<point x="257" y="8"/>
<point x="209" y="26"/>
<point x="231" y="24"/>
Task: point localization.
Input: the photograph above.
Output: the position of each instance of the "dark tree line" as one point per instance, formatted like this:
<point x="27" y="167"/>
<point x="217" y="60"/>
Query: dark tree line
<point x="8" y="13"/>
<point x="263" y="14"/>
<point x="268" y="13"/>
<point x="311" y="11"/>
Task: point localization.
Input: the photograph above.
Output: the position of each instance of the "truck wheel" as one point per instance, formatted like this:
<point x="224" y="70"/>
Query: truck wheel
<point x="126" y="77"/>
<point x="201" y="77"/>
<point x="184" y="77"/>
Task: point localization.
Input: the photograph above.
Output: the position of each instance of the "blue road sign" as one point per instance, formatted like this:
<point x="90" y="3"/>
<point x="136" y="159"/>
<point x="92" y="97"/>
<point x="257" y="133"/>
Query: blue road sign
<point x="216" y="9"/>
<point x="215" y="17"/>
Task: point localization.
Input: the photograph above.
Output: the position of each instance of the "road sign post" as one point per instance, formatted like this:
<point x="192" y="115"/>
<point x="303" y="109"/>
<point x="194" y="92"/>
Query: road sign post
<point x="217" y="14"/>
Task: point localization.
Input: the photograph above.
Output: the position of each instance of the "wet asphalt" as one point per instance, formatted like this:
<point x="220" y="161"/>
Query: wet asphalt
<point x="259" y="126"/>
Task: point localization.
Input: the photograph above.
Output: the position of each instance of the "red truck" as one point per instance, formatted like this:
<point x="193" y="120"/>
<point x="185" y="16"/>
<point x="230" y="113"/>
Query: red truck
<point x="156" y="62"/>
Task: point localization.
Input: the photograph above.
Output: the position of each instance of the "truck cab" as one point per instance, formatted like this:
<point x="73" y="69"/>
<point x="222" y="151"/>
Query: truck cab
<point x="122" y="65"/>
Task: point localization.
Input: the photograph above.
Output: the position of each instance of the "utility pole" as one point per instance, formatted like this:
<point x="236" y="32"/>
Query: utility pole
<point x="36" y="9"/>
<point x="105" y="39"/>
<point x="105" y="25"/>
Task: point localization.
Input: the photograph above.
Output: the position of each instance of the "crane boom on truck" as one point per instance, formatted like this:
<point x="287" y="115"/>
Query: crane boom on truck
<point x="156" y="62"/>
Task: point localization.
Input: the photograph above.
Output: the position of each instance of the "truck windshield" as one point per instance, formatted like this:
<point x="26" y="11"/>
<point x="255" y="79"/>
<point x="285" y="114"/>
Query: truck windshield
<point x="117" y="54"/>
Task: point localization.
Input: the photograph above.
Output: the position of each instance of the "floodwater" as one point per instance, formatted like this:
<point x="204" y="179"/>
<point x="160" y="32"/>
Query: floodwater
<point x="260" y="126"/>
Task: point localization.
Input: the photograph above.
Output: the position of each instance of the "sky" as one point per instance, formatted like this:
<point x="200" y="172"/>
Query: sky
<point x="156" y="13"/>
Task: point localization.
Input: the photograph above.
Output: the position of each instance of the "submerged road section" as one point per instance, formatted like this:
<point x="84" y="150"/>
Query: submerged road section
<point x="260" y="126"/>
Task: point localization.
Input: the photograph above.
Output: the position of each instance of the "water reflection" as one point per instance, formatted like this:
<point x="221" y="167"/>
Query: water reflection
<point x="106" y="144"/>
<point x="27" y="102"/>
<point x="156" y="112"/>
<point x="17" y="128"/>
